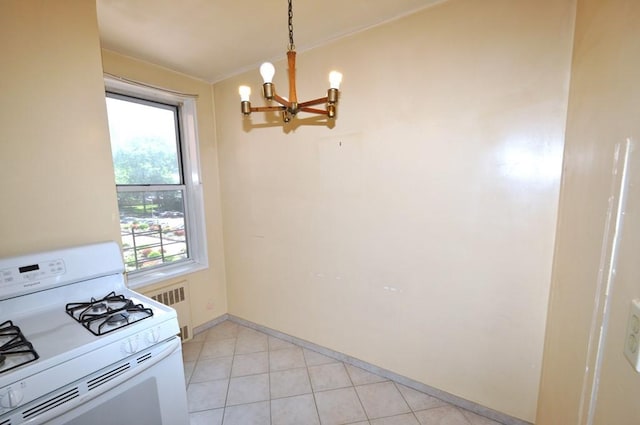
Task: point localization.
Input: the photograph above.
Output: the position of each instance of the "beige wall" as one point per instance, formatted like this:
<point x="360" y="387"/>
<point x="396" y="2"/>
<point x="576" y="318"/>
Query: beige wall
<point x="207" y="287"/>
<point x="603" y="112"/>
<point x="440" y="179"/>
<point x="56" y="174"/>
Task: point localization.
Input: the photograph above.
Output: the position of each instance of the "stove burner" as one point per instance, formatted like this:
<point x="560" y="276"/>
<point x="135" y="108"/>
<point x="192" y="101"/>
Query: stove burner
<point x="15" y="350"/>
<point x="107" y="314"/>
<point x="118" y="319"/>
<point x="98" y="307"/>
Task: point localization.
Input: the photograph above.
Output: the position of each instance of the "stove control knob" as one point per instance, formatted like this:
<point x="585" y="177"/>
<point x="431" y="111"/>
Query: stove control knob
<point x="11" y="398"/>
<point x="130" y="345"/>
<point x="153" y="336"/>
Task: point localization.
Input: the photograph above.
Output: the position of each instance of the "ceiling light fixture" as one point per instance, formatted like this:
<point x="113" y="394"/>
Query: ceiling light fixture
<point x="290" y="107"/>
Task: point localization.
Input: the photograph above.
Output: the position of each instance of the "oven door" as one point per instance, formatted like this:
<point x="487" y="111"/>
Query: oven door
<point x="153" y="395"/>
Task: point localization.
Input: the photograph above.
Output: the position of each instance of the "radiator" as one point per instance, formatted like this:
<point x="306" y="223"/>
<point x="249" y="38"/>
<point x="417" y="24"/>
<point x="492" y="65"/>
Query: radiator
<point x="177" y="297"/>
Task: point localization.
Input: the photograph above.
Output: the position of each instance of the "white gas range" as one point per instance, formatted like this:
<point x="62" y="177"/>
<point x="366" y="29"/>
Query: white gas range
<point x="78" y="347"/>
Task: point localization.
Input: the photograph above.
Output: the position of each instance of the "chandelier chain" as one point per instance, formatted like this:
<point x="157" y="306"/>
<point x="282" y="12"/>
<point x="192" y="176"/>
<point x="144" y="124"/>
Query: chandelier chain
<point x="292" y="46"/>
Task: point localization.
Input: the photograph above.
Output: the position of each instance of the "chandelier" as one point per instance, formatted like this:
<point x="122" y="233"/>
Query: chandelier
<point x="290" y="107"/>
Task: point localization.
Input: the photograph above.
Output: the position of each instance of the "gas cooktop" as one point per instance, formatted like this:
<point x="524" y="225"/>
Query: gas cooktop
<point x="15" y="350"/>
<point x="107" y="314"/>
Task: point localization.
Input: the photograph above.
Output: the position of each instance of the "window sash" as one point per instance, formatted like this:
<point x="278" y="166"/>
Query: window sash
<point x="193" y="195"/>
<point x="149" y="187"/>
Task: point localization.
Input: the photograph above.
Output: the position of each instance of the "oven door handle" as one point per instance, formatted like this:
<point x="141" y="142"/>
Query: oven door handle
<point x="171" y="346"/>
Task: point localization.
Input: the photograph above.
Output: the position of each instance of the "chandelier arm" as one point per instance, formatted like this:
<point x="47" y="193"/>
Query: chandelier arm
<point x="291" y="59"/>
<point x="267" y="108"/>
<point x="314" y="111"/>
<point x="313" y="102"/>
<point x="281" y="100"/>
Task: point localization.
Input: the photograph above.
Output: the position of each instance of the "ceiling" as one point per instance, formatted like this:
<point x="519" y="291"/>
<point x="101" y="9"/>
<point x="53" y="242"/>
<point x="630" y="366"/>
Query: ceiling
<point x="215" y="39"/>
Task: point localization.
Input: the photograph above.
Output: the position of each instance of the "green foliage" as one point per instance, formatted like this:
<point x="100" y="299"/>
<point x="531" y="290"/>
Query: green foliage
<point x="146" y="161"/>
<point x="139" y="209"/>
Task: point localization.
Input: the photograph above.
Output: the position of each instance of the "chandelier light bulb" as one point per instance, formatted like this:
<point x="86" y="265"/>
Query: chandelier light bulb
<point x="267" y="70"/>
<point x="335" y="78"/>
<point x="245" y="93"/>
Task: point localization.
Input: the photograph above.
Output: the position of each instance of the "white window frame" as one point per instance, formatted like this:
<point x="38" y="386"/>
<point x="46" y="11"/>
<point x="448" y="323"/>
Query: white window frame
<point x="194" y="199"/>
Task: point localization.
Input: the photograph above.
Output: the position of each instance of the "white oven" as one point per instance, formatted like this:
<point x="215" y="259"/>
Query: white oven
<point x="78" y="347"/>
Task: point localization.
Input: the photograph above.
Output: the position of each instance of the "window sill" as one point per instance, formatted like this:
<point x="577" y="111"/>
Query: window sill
<point x="145" y="278"/>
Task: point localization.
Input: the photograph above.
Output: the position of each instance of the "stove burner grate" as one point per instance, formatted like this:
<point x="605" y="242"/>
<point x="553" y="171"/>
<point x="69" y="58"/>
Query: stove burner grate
<point x="15" y="350"/>
<point x="107" y="314"/>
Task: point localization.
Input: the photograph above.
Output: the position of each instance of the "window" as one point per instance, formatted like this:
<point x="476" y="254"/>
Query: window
<point x="156" y="164"/>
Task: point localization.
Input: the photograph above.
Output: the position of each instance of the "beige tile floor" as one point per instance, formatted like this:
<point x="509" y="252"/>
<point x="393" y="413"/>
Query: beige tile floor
<point x="238" y="376"/>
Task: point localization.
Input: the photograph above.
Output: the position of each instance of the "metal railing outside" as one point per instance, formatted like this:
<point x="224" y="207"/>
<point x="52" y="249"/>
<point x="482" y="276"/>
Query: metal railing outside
<point x="152" y="246"/>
